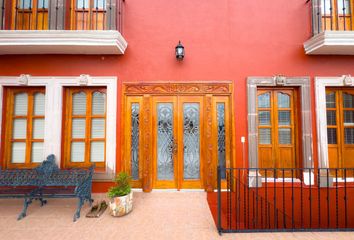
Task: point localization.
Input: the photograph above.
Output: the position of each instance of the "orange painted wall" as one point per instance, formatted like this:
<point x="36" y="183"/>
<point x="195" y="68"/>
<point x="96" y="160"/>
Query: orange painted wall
<point x="223" y="39"/>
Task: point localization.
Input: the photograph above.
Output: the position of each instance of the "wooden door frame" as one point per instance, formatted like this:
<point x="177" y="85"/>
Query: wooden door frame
<point x="145" y="91"/>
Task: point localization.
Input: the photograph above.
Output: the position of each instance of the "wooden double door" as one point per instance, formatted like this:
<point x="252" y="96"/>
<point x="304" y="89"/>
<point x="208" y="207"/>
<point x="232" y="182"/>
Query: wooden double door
<point x="176" y="140"/>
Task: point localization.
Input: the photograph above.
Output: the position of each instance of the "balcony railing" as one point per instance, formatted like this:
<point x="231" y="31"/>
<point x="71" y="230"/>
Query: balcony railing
<point x="285" y="199"/>
<point x="61" y="15"/>
<point x="332" y="28"/>
<point x="61" y="27"/>
<point x="332" y="15"/>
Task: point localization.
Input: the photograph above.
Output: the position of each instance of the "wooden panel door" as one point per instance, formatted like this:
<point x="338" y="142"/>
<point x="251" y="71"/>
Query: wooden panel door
<point x="221" y="136"/>
<point x="347" y="129"/>
<point x="333" y="126"/>
<point x="177" y="129"/>
<point x="190" y="142"/>
<point x="165" y="132"/>
<point x="340" y="127"/>
<point x="133" y="134"/>
<point x="277" y="132"/>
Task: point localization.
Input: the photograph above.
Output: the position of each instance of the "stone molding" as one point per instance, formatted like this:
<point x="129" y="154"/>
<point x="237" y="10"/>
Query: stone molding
<point x="304" y="84"/>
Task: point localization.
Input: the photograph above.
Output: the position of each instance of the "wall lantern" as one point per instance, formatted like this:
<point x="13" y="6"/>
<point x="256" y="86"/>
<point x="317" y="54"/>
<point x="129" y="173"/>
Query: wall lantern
<point x="179" y="51"/>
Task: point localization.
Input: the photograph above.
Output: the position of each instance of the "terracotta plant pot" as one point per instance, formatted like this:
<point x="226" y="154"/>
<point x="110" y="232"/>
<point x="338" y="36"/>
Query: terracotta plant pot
<point x="120" y="206"/>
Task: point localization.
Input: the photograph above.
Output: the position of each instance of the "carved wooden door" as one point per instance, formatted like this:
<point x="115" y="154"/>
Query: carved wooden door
<point x="177" y="130"/>
<point x="175" y="135"/>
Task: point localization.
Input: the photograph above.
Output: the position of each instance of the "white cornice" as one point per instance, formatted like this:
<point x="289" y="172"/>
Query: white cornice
<point x="331" y="43"/>
<point x="61" y="42"/>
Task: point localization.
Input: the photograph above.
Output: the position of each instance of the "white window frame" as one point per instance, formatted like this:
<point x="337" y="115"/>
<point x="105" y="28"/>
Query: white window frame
<point x="321" y="83"/>
<point x="54" y="88"/>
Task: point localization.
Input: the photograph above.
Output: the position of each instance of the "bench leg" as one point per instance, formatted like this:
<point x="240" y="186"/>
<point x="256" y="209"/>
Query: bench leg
<point x="24" y="210"/>
<point x="79" y="205"/>
<point x="43" y="202"/>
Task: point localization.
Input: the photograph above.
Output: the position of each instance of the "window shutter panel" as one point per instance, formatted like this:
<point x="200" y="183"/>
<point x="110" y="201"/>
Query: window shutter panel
<point x="18" y="152"/>
<point x="21" y="102"/>
<point x="39" y="104"/>
<point x="37" y="152"/>
<point x="111" y="14"/>
<point x="283" y="100"/>
<point x="38" y="128"/>
<point x="97" y="128"/>
<point x="97" y="152"/>
<point x="2" y="22"/>
<point x="79" y="103"/>
<point x="264" y="136"/>
<point x="56" y="11"/>
<point x="98" y="103"/>
<point x="77" y="152"/>
<point x="19" y="129"/>
<point x="78" y="128"/>
<point x="285" y="136"/>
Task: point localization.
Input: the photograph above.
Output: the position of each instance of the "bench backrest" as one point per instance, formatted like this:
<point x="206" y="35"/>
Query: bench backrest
<point x="46" y="174"/>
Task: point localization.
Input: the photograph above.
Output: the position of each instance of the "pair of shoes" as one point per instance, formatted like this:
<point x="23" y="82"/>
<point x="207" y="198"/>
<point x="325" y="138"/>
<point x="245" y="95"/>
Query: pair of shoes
<point x="97" y="210"/>
<point x="101" y="208"/>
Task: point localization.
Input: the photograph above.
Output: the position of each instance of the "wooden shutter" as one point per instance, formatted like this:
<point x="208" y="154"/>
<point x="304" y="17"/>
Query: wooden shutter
<point x="340" y="127"/>
<point x="24" y="127"/>
<point x="277" y="133"/>
<point x="85" y="127"/>
<point x="30" y="14"/>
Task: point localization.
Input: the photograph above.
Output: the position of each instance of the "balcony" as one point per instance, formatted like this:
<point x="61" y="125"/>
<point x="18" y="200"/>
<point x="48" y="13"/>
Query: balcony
<point x="61" y="27"/>
<point x="332" y="25"/>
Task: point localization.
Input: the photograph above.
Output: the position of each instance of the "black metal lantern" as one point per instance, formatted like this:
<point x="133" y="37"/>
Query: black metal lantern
<point x="179" y="51"/>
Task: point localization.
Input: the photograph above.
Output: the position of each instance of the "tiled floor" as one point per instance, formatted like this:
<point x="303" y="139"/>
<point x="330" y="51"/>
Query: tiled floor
<point x="156" y="215"/>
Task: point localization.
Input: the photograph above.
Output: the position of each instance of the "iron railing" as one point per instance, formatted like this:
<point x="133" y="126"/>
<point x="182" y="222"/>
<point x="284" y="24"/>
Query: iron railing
<point x="285" y="199"/>
<point x="61" y="15"/>
<point x="332" y="15"/>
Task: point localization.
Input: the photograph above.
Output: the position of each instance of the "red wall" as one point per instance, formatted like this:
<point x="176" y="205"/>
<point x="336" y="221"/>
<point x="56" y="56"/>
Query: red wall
<point x="223" y="39"/>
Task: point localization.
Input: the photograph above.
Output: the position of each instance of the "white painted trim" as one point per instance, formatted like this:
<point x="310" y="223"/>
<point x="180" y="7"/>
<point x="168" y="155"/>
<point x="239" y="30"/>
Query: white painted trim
<point x="53" y="112"/>
<point x="342" y="180"/>
<point x="331" y="42"/>
<point x="61" y="42"/>
<point x="321" y="119"/>
<point x="280" y="180"/>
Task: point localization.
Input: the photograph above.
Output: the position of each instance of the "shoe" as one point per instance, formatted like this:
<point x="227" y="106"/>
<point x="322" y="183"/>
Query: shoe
<point x="93" y="211"/>
<point x="101" y="208"/>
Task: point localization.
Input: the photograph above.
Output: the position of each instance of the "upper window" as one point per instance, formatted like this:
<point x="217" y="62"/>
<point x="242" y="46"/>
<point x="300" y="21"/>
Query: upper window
<point x="336" y="14"/>
<point x="84" y="127"/>
<point x="276" y="110"/>
<point x="89" y="14"/>
<point x="30" y="15"/>
<point x="340" y="127"/>
<point x="24" y="126"/>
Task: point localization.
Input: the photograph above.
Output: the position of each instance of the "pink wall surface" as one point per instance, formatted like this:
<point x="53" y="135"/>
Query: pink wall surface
<point x="223" y="39"/>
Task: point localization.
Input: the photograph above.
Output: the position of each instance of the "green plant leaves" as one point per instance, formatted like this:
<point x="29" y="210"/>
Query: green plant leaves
<point x="122" y="187"/>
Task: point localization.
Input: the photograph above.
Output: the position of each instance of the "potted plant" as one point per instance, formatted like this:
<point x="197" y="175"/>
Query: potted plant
<point x="121" y="196"/>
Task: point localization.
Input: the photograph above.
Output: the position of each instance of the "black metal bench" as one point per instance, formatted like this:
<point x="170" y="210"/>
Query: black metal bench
<point x="47" y="181"/>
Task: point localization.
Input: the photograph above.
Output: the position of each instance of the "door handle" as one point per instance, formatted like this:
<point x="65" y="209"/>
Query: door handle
<point x="174" y="146"/>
